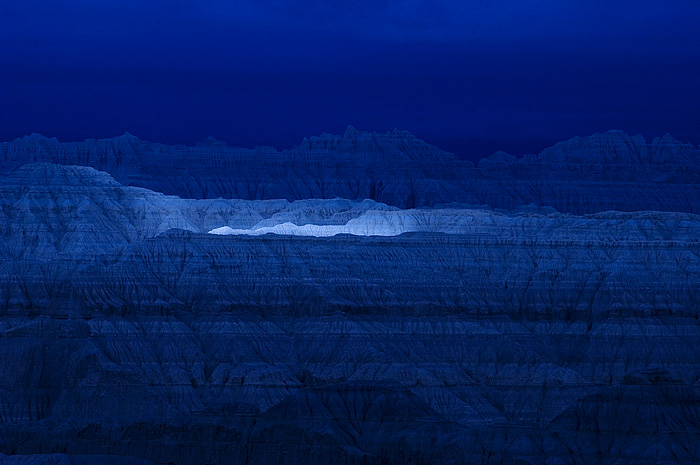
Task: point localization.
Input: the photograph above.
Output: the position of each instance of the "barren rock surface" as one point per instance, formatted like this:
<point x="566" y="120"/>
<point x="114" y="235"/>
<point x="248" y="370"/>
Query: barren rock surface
<point x="608" y="171"/>
<point x="141" y="327"/>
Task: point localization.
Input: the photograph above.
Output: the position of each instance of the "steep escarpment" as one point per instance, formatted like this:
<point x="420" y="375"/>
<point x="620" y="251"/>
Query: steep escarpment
<point x="609" y="171"/>
<point x="394" y="168"/>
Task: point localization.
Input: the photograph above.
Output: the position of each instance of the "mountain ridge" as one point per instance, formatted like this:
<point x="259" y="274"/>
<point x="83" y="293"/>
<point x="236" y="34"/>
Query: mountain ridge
<point x="605" y="171"/>
<point x="351" y="132"/>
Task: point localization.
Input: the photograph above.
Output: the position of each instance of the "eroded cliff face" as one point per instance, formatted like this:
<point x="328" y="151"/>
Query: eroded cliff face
<point x="77" y="233"/>
<point x="610" y="171"/>
<point x="358" y="332"/>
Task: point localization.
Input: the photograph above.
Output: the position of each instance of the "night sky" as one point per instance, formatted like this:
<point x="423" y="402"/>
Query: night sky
<point x="471" y="77"/>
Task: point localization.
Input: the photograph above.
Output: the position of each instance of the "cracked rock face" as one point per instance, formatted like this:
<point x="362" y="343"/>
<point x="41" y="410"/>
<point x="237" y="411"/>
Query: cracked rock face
<point x="141" y="327"/>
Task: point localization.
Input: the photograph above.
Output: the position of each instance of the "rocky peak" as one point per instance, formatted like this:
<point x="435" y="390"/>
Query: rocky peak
<point x="395" y="145"/>
<point x="49" y="174"/>
<point x="617" y="147"/>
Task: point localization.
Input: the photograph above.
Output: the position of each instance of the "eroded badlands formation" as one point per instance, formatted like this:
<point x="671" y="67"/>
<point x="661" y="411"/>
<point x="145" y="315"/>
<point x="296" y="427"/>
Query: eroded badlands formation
<point x="365" y="299"/>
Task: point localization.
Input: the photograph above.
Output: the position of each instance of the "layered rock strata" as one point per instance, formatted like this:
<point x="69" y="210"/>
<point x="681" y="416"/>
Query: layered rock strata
<point x="447" y="335"/>
<point x="609" y="171"/>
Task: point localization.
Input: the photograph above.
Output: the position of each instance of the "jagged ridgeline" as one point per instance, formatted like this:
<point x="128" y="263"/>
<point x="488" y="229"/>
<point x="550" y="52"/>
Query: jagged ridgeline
<point x="365" y="299"/>
<point x="610" y="171"/>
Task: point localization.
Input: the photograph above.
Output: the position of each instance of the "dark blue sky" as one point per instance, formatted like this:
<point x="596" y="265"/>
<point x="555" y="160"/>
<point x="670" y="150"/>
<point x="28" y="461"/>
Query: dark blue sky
<point x="471" y="77"/>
